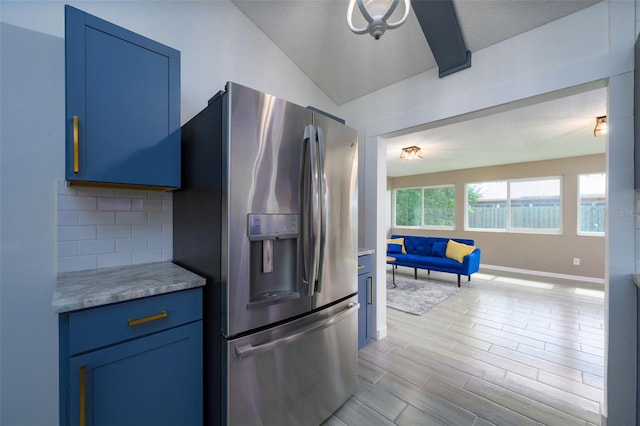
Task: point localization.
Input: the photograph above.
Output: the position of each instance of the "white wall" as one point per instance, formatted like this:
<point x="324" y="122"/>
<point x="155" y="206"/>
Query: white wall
<point x="217" y="43"/>
<point x="585" y="48"/>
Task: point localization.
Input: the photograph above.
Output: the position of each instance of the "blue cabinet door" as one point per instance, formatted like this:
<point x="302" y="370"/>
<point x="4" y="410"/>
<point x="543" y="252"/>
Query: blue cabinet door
<point x="122" y="105"/>
<point x="153" y="380"/>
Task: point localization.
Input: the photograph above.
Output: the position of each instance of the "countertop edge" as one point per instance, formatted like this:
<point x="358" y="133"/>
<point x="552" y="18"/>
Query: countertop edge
<point x="98" y="287"/>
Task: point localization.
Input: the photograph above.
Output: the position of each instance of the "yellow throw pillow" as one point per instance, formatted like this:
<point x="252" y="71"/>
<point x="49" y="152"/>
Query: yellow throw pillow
<point x="457" y="251"/>
<point x="398" y="241"/>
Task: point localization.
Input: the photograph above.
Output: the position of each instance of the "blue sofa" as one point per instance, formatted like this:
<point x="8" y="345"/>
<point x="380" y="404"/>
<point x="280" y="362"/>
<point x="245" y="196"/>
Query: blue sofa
<point x="430" y="253"/>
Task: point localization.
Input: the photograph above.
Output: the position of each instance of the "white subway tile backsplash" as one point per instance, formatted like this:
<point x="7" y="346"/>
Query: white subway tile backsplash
<point x="75" y="203"/>
<point x="67" y="248"/>
<point x="167" y="254"/>
<point x="67" y="218"/>
<point x="114" y="204"/>
<point x="161" y="217"/>
<point x="76" y="263"/>
<point x="63" y="188"/>
<point x="96" y="192"/>
<point x="131" y="218"/>
<point x="103" y="227"/>
<point x="139" y="204"/>
<point x="160" y="242"/>
<point x="146" y="256"/>
<point x="114" y="259"/>
<point x="96" y="247"/>
<point x="96" y="218"/>
<point x="131" y="244"/>
<point x="131" y="193"/>
<point x="157" y="195"/>
<point x="154" y="230"/>
<point x="76" y="233"/>
<point x="114" y="231"/>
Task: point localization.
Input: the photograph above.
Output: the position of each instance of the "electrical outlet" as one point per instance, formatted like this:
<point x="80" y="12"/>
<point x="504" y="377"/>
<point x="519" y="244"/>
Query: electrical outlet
<point x="576" y="261"/>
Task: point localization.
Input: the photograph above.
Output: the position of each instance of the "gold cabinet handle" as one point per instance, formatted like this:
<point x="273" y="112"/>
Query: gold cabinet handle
<point x="83" y="400"/>
<point x="162" y="314"/>
<point x="360" y="266"/>
<point x="76" y="165"/>
<point x="371" y="289"/>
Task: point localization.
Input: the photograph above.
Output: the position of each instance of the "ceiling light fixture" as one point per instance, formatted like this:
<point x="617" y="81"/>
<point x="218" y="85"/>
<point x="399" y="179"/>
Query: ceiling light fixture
<point x="602" y="128"/>
<point x="411" y="153"/>
<point x="376" y="12"/>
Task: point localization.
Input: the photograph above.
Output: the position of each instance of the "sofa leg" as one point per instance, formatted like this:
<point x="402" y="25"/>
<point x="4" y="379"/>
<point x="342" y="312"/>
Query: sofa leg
<point x="415" y="273"/>
<point x="469" y="276"/>
<point x="428" y="271"/>
<point x="458" y="280"/>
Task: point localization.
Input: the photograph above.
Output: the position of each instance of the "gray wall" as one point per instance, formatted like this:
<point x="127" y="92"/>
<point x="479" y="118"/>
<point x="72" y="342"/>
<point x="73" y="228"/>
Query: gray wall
<point x="548" y="253"/>
<point x="32" y="108"/>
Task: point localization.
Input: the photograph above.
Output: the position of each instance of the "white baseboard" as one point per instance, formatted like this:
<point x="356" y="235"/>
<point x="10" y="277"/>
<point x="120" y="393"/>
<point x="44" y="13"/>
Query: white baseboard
<point x="381" y="333"/>
<point x="544" y="274"/>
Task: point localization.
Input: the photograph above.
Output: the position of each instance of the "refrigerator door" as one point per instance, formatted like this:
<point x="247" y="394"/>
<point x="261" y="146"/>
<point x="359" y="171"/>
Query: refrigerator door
<point x="338" y="270"/>
<point x="295" y="374"/>
<point x="264" y="147"/>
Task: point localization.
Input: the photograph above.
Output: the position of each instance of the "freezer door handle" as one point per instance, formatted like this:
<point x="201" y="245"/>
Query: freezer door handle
<point x="248" y="350"/>
<point x="323" y="206"/>
<point x="311" y="223"/>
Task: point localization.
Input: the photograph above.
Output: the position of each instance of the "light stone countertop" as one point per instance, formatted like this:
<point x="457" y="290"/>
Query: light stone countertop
<point x="365" y="251"/>
<point x="96" y="287"/>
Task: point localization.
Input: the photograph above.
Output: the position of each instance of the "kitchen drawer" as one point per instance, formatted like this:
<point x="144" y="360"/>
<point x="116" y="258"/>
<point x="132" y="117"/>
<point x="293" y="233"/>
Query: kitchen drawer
<point x="364" y="264"/>
<point x="97" y="327"/>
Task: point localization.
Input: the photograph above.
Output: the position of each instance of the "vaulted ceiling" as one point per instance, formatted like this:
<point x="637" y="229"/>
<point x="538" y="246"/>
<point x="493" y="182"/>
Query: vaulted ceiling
<point x="314" y="35"/>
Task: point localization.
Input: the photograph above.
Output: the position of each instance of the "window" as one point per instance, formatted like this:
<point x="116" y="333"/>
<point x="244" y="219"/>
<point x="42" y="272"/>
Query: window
<point x="591" y="204"/>
<point x="527" y="205"/>
<point x="428" y="207"/>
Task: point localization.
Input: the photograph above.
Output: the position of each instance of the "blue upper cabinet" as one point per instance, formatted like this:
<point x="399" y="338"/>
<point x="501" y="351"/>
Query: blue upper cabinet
<point x="122" y="106"/>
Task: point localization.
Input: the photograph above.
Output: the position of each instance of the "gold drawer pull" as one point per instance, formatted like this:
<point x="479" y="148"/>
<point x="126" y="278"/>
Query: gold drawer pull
<point x="161" y="315"/>
<point x="83" y="401"/>
<point x="360" y="266"/>
<point x="76" y="137"/>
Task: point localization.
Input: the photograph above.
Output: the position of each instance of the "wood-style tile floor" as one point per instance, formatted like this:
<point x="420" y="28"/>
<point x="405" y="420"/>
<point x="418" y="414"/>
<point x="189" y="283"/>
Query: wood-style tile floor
<point x="516" y="350"/>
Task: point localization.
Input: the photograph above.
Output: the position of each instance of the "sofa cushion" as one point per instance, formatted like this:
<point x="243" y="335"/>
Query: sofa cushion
<point x="439" y="248"/>
<point x="395" y="245"/>
<point x="457" y="251"/>
<point x="417" y="245"/>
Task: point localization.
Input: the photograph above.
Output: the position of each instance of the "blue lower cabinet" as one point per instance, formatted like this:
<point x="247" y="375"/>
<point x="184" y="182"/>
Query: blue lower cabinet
<point x="365" y="299"/>
<point x="154" y="378"/>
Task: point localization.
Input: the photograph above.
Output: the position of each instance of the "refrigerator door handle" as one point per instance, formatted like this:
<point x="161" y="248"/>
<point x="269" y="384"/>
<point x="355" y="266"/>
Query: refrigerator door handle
<point x="324" y="202"/>
<point x="245" y="351"/>
<point x="311" y="222"/>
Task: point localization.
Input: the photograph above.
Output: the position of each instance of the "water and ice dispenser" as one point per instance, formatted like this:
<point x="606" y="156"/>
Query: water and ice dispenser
<point x="273" y="258"/>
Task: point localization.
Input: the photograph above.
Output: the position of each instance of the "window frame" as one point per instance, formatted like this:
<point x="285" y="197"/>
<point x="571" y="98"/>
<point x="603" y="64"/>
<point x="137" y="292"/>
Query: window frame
<point x="509" y="228"/>
<point x="579" y="198"/>
<point x="422" y="224"/>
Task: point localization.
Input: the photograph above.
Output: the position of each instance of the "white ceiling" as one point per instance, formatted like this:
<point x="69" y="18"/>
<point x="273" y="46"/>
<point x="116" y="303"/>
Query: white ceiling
<point x="531" y="130"/>
<point x="315" y="36"/>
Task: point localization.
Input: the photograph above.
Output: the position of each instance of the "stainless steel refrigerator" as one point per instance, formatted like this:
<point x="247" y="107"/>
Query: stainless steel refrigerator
<point x="267" y="213"/>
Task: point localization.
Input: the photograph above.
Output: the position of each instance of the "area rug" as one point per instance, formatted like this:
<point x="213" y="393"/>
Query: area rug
<point x="417" y="296"/>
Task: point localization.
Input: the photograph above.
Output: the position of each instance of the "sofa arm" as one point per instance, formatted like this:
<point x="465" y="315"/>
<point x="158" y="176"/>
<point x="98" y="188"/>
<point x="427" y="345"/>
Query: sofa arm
<point x="471" y="262"/>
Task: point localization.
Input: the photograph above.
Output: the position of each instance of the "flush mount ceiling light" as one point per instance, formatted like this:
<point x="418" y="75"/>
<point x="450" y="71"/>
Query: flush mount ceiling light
<point x="411" y="153"/>
<point x="376" y="12"/>
<point x="602" y="128"/>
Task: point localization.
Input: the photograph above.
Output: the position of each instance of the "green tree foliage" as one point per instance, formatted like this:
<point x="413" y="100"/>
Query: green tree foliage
<point x="408" y="207"/>
<point x="439" y="206"/>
